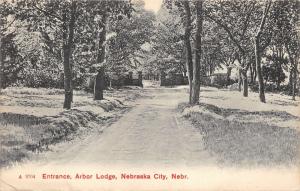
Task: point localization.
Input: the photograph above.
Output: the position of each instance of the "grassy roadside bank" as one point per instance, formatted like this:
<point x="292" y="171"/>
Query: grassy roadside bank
<point x="239" y="134"/>
<point x="32" y="119"/>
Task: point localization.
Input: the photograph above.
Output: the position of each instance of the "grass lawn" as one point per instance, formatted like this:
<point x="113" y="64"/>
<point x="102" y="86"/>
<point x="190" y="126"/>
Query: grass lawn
<point x="31" y="119"/>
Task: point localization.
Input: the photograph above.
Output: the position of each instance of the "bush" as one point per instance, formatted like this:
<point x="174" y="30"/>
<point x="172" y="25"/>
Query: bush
<point x="273" y="74"/>
<point x="220" y="80"/>
<point x="270" y="87"/>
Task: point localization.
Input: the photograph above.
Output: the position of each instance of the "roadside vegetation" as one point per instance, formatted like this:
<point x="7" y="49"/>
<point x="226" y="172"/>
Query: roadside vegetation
<point x="245" y="133"/>
<point x="32" y="119"/>
<point x="63" y="66"/>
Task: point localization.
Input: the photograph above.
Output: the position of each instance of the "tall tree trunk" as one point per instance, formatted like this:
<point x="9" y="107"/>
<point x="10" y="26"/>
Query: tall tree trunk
<point x="290" y="84"/>
<point x="294" y="78"/>
<point x="1" y="66"/>
<point x="68" y="37"/>
<point x="254" y="73"/>
<point x="259" y="73"/>
<point x="293" y="73"/>
<point x="197" y="63"/>
<point x="278" y="67"/>
<point x="240" y="80"/>
<point x="251" y="74"/>
<point x="189" y="56"/>
<point x="67" y="78"/>
<point x="278" y="71"/>
<point x="295" y="82"/>
<point x="184" y="73"/>
<point x="210" y="69"/>
<point x="72" y="72"/>
<point x="258" y="51"/>
<point x="100" y="79"/>
<point x="228" y="74"/>
<point x="99" y="84"/>
<point x="243" y="79"/>
<point x="245" y="82"/>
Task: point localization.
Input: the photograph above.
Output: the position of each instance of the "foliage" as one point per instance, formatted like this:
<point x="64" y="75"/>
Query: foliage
<point x="271" y="73"/>
<point x="34" y="35"/>
<point x="127" y="38"/>
<point x="10" y="59"/>
<point x="167" y="43"/>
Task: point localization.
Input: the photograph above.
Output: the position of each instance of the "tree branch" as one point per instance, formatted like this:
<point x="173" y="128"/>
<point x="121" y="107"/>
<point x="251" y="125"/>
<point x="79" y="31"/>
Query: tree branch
<point x="247" y="20"/>
<point x="263" y="21"/>
<point x="9" y="24"/>
<point x="47" y="13"/>
<point x="228" y="32"/>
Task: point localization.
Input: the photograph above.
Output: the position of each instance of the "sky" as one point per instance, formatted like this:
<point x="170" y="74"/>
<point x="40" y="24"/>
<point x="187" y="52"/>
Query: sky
<point x="153" y="5"/>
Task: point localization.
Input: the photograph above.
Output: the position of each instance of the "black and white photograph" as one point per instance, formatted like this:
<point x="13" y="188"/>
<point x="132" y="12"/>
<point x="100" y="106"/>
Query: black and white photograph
<point x="149" y="95"/>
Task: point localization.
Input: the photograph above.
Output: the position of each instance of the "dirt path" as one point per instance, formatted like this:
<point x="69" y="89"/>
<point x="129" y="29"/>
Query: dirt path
<point x="150" y="139"/>
<point x="151" y="133"/>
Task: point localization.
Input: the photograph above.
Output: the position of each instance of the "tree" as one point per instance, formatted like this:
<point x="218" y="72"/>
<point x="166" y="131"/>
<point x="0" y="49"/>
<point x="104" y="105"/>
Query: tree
<point x="198" y="50"/>
<point x="168" y="51"/>
<point x="293" y="54"/>
<point x="68" y="43"/>
<point x="109" y="13"/>
<point x="100" y="54"/>
<point x="284" y="49"/>
<point x="235" y="18"/>
<point x="129" y="35"/>
<point x="193" y="68"/>
<point x="11" y="61"/>
<point x="258" y="53"/>
<point x="276" y="62"/>
<point x="46" y="17"/>
<point x="271" y="73"/>
<point x="218" y="50"/>
<point x="8" y="52"/>
<point x="61" y="23"/>
<point x="286" y="16"/>
<point x="188" y="47"/>
<point x="184" y="10"/>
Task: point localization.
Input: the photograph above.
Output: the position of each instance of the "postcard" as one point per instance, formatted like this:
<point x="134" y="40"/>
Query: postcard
<point x="153" y="95"/>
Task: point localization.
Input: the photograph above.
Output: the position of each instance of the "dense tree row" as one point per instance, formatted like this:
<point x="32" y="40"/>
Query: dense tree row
<point x="64" y="43"/>
<point x="53" y="43"/>
<point x="258" y="38"/>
